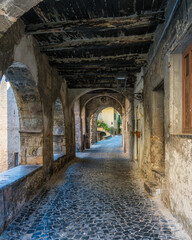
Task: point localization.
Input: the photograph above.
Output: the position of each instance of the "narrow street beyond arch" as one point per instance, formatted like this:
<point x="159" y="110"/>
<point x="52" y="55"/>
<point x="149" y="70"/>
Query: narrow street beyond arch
<point x="99" y="196"/>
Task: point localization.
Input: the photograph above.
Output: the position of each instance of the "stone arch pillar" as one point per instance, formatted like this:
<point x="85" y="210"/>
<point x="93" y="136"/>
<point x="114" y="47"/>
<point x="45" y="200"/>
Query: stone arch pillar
<point x="78" y="126"/>
<point x="93" y="128"/>
<point x="30" y="113"/>
<point x="59" y="141"/>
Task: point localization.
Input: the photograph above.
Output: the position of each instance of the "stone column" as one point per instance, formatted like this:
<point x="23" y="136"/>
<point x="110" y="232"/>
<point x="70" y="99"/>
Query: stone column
<point x="78" y="127"/>
<point x="93" y="128"/>
<point x="47" y="139"/>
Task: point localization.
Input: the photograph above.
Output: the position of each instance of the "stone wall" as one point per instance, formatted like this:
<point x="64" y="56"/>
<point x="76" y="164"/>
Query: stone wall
<point x="11" y="10"/>
<point x="13" y="196"/>
<point x="29" y="179"/>
<point x="128" y="128"/>
<point x="139" y="121"/>
<point x="165" y="66"/>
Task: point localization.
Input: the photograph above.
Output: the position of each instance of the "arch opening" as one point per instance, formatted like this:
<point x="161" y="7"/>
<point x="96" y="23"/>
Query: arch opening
<point x="109" y="123"/>
<point x="9" y="127"/>
<point x="21" y="131"/>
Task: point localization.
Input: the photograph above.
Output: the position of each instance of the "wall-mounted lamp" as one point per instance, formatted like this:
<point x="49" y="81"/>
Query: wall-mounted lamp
<point x="121" y="80"/>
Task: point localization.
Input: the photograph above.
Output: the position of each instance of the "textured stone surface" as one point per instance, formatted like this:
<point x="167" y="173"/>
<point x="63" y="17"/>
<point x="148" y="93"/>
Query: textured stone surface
<point x="16" y="187"/>
<point x="16" y="174"/>
<point x="99" y="197"/>
<point x="20" y="184"/>
<point x="78" y="126"/>
<point x="167" y="66"/>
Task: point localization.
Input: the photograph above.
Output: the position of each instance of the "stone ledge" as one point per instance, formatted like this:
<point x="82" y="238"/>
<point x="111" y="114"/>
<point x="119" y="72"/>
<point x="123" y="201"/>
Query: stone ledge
<point x="16" y="191"/>
<point x="17" y="173"/>
<point x="152" y="188"/>
<point x="20" y="184"/>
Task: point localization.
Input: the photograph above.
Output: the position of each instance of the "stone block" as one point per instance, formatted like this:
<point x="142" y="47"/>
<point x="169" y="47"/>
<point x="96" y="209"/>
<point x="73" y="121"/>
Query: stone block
<point x="152" y="188"/>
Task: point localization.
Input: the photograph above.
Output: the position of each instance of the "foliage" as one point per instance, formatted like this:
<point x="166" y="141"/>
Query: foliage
<point x="103" y="125"/>
<point x="119" y="123"/>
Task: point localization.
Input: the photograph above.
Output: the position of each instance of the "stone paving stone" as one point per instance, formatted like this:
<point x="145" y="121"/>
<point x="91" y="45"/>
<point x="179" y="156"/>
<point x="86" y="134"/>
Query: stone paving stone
<point x="99" y="197"/>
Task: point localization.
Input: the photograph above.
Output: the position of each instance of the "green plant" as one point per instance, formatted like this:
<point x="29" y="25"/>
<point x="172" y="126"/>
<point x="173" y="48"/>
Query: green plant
<point x="103" y="125"/>
<point x="119" y="123"/>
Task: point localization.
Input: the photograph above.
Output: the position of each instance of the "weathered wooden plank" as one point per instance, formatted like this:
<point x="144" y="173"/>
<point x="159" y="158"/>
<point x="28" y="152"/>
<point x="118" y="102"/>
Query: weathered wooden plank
<point x="97" y="24"/>
<point x="99" y="51"/>
<point x="98" y="41"/>
<point x="124" y="57"/>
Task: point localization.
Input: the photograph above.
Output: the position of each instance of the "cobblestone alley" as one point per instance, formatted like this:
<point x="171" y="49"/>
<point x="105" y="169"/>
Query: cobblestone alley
<point x="100" y="196"/>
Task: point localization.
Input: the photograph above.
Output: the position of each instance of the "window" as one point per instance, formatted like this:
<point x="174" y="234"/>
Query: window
<point x="115" y="116"/>
<point x="16" y="159"/>
<point x="187" y="90"/>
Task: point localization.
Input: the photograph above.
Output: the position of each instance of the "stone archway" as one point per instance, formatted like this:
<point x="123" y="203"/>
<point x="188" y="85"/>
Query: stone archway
<point x="93" y="124"/>
<point x="93" y="106"/>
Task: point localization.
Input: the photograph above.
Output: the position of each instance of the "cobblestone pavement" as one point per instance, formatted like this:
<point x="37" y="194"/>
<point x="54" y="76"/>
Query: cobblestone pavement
<point x="99" y="197"/>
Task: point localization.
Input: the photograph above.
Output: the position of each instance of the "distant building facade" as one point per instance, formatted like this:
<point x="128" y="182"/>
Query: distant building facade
<point x="9" y="127"/>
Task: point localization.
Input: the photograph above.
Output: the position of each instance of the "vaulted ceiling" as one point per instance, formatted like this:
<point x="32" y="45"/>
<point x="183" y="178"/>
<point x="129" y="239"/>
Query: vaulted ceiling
<point x="90" y="41"/>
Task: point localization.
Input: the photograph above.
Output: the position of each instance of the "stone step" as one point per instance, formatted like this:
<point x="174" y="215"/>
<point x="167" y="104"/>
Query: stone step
<point x="152" y="188"/>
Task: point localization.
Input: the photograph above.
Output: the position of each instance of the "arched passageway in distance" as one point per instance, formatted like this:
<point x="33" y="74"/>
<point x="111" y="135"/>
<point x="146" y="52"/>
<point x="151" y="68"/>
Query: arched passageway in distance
<point x="86" y="109"/>
<point x="96" y="105"/>
<point x="9" y="127"/>
<point x="81" y="99"/>
<point x="29" y="107"/>
<point x="104" y="123"/>
<point x="59" y="142"/>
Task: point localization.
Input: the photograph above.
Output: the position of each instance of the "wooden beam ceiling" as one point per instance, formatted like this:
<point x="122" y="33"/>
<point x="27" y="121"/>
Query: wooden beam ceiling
<point x="126" y="57"/>
<point x="97" y="25"/>
<point x="78" y="43"/>
<point x="90" y="41"/>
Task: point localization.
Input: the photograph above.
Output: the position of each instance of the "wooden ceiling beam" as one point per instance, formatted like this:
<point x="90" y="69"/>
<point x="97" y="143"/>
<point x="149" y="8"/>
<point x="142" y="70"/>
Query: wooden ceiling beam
<point x="101" y="73"/>
<point x="124" y="57"/>
<point x="127" y="22"/>
<point x="94" y="42"/>
<point x="89" y="75"/>
<point x="94" y="66"/>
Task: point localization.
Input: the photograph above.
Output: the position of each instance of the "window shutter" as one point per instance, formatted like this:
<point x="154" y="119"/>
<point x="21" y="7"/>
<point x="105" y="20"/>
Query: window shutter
<point x="187" y="90"/>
